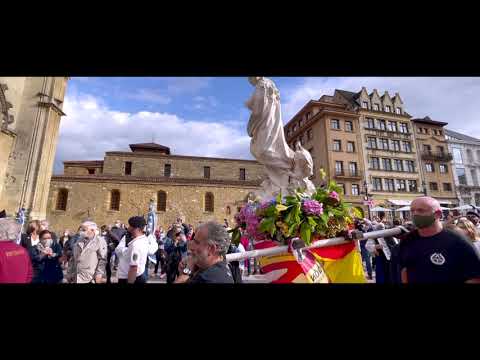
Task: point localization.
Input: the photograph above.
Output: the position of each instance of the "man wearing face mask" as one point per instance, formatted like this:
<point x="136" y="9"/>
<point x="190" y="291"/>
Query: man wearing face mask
<point x="89" y="256"/>
<point x="432" y="254"/>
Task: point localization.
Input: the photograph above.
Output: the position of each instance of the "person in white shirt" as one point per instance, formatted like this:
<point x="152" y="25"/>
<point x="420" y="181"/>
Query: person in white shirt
<point x="132" y="252"/>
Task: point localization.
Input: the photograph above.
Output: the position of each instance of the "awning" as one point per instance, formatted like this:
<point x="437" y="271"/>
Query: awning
<point x="400" y="202"/>
<point x="379" y="209"/>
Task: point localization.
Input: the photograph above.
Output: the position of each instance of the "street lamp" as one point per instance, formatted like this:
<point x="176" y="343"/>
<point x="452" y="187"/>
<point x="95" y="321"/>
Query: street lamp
<point x="365" y="185"/>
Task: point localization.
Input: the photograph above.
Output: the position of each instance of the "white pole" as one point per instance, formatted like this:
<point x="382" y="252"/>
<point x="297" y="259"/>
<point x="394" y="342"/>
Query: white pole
<point x="316" y="244"/>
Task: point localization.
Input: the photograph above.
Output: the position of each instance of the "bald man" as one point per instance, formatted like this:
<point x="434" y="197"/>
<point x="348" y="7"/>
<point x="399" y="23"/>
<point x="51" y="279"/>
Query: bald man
<point x="431" y="254"/>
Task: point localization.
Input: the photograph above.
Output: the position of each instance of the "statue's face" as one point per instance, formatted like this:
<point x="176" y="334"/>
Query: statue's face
<point x="254" y="80"/>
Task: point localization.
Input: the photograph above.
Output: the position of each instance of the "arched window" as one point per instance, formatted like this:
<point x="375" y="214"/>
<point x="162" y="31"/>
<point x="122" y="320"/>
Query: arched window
<point x="229" y="211"/>
<point x="161" y="201"/>
<point x="209" y="202"/>
<point x="62" y="199"/>
<point x="115" y="200"/>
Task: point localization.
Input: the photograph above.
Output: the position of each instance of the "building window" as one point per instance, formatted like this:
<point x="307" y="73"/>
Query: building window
<point x="335" y="124"/>
<point x="370" y="123"/>
<point x="412" y="185"/>
<point x="376" y="107"/>
<point x="115" y="200"/>
<point x="440" y="133"/>
<point x="242" y="174"/>
<point x="462" y="177"/>
<point x="469" y="156"/>
<point x="457" y="155"/>
<point x="161" y="201"/>
<point x="392" y="126"/>
<point x="382" y="125"/>
<point x="375" y="163"/>
<point x="427" y="148"/>
<point x="309" y="134"/>
<point x="91" y="171"/>
<point x="390" y="184"/>
<point x="447" y="187"/>
<point x="355" y="189"/>
<point x="348" y="126"/>
<point x="407" y="146"/>
<point x="410" y="165"/>
<point x="343" y="188"/>
<point x="307" y="115"/>
<point x="353" y="169"/>
<point x="377" y="184"/>
<point x="62" y="199"/>
<point x="398" y="164"/>
<point x="387" y="164"/>
<point x="388" y="108"/>
<point x="128" y="168"/>
<point x="440" y="149"/>
<point x="429" y="167"/>
<point x="399" y="111"/>
<point x="167" y="170"/>
<point x="401" y="185"/>
<point x="337" y="145"/>
<point x="383" y="144"/>
<point x="209" y="202"/>
<point x="403" y="128"/>
<point x="433" y="186"/>
<point x="473" y="174"/>
<point x="206" y="172"/>
<point x="339" y="167"/>
<point x="396" y="145"/>
<point x="425" y="130"/>
<point x="478" y="155"/>
<point x="365" y="104"/>
<point x="443" y="168"/>
<point x="350" y="146"/>
<point x="295" y="127"/>
<point x="300" y="123"/>
<point x="372" y="142"/>
<point x="419" y="130"/>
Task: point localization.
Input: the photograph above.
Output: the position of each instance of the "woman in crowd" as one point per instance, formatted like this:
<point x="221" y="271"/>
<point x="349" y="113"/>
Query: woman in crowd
<point x="467" y="228"/>
<point x="45" y="257"/>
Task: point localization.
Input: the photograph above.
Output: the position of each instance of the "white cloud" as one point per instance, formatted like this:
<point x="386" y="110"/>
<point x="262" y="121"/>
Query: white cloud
<point x="91" y="128"/>
<point x="149" y="95"/>
<point x="452" y="100"/>
<point x="180" y="85"/>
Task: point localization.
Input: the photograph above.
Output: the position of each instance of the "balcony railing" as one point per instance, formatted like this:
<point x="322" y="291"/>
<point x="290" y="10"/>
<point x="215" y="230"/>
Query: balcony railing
<point x="349" y="174"/>
<point x="441" y="156"/>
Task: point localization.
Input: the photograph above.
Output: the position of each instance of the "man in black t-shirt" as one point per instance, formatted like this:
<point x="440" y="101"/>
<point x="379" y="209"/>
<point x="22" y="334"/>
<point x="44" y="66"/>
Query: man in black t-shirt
<point x="431" y="254"/>
<point x="206" y="260"/>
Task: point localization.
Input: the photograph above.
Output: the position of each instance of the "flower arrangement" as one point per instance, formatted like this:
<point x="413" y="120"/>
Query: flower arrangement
<point x="324" y="214"/>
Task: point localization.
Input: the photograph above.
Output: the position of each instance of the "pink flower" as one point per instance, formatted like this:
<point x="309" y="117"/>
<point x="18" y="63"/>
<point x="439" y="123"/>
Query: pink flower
<point x="313" y="207"/>
<point x="334" y="195"/>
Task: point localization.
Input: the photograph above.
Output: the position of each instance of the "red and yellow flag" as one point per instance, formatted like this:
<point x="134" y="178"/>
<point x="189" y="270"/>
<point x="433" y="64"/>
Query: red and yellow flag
<point x="341" y="263"/>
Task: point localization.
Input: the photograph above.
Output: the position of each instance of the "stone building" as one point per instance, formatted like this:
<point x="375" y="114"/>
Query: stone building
<point x="31" y="109"/>
<point x="435" y="161"/>
<point x="122" y="184"/>
<point x="466" y="166"/>
<point x="331" y="133"/>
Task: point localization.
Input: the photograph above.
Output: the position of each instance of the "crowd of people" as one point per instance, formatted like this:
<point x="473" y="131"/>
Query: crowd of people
<point x="92" y="255"/>
<point x="435" y="247"/>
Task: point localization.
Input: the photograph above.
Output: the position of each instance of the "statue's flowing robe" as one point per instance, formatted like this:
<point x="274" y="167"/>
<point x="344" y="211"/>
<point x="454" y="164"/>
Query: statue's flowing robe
<point x="265" y="127"/>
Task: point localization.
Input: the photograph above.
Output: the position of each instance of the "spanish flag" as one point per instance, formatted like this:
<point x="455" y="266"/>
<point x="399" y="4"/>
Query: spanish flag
<point x="341" y="263"/>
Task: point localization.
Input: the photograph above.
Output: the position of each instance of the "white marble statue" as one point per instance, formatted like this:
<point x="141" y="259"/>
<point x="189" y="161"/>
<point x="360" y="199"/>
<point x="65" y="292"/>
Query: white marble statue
<point x="268" y="144"/>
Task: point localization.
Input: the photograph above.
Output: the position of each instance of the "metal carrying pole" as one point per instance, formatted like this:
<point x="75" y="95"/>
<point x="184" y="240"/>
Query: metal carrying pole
<point x="316" y="244"/>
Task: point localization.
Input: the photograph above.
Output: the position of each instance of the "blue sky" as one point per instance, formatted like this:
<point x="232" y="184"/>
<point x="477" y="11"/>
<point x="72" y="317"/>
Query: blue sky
<point x="207" y="117"/>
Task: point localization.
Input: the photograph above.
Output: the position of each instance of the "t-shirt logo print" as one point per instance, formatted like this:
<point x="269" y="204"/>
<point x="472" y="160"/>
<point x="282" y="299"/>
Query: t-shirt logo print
<point x="437" y="259"/>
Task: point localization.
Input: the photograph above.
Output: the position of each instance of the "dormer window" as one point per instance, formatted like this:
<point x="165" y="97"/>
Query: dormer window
<point x="365" y="105"/>
<point x="399" y="111"/>
<point x="376" y="107"/>
<point x="388" y="108"/>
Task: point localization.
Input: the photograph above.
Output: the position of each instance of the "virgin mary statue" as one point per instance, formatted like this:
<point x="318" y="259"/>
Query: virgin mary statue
<point x="268" y="143"/>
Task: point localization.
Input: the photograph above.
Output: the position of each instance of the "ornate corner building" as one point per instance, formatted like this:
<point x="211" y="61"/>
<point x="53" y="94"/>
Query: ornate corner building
<point x="31" y="109"/>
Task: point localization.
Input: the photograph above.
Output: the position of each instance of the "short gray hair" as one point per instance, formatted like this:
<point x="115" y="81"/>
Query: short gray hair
<point x="90" y="225"/>
<point x="9" y="229"/>
<point x="217" y="235"/>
